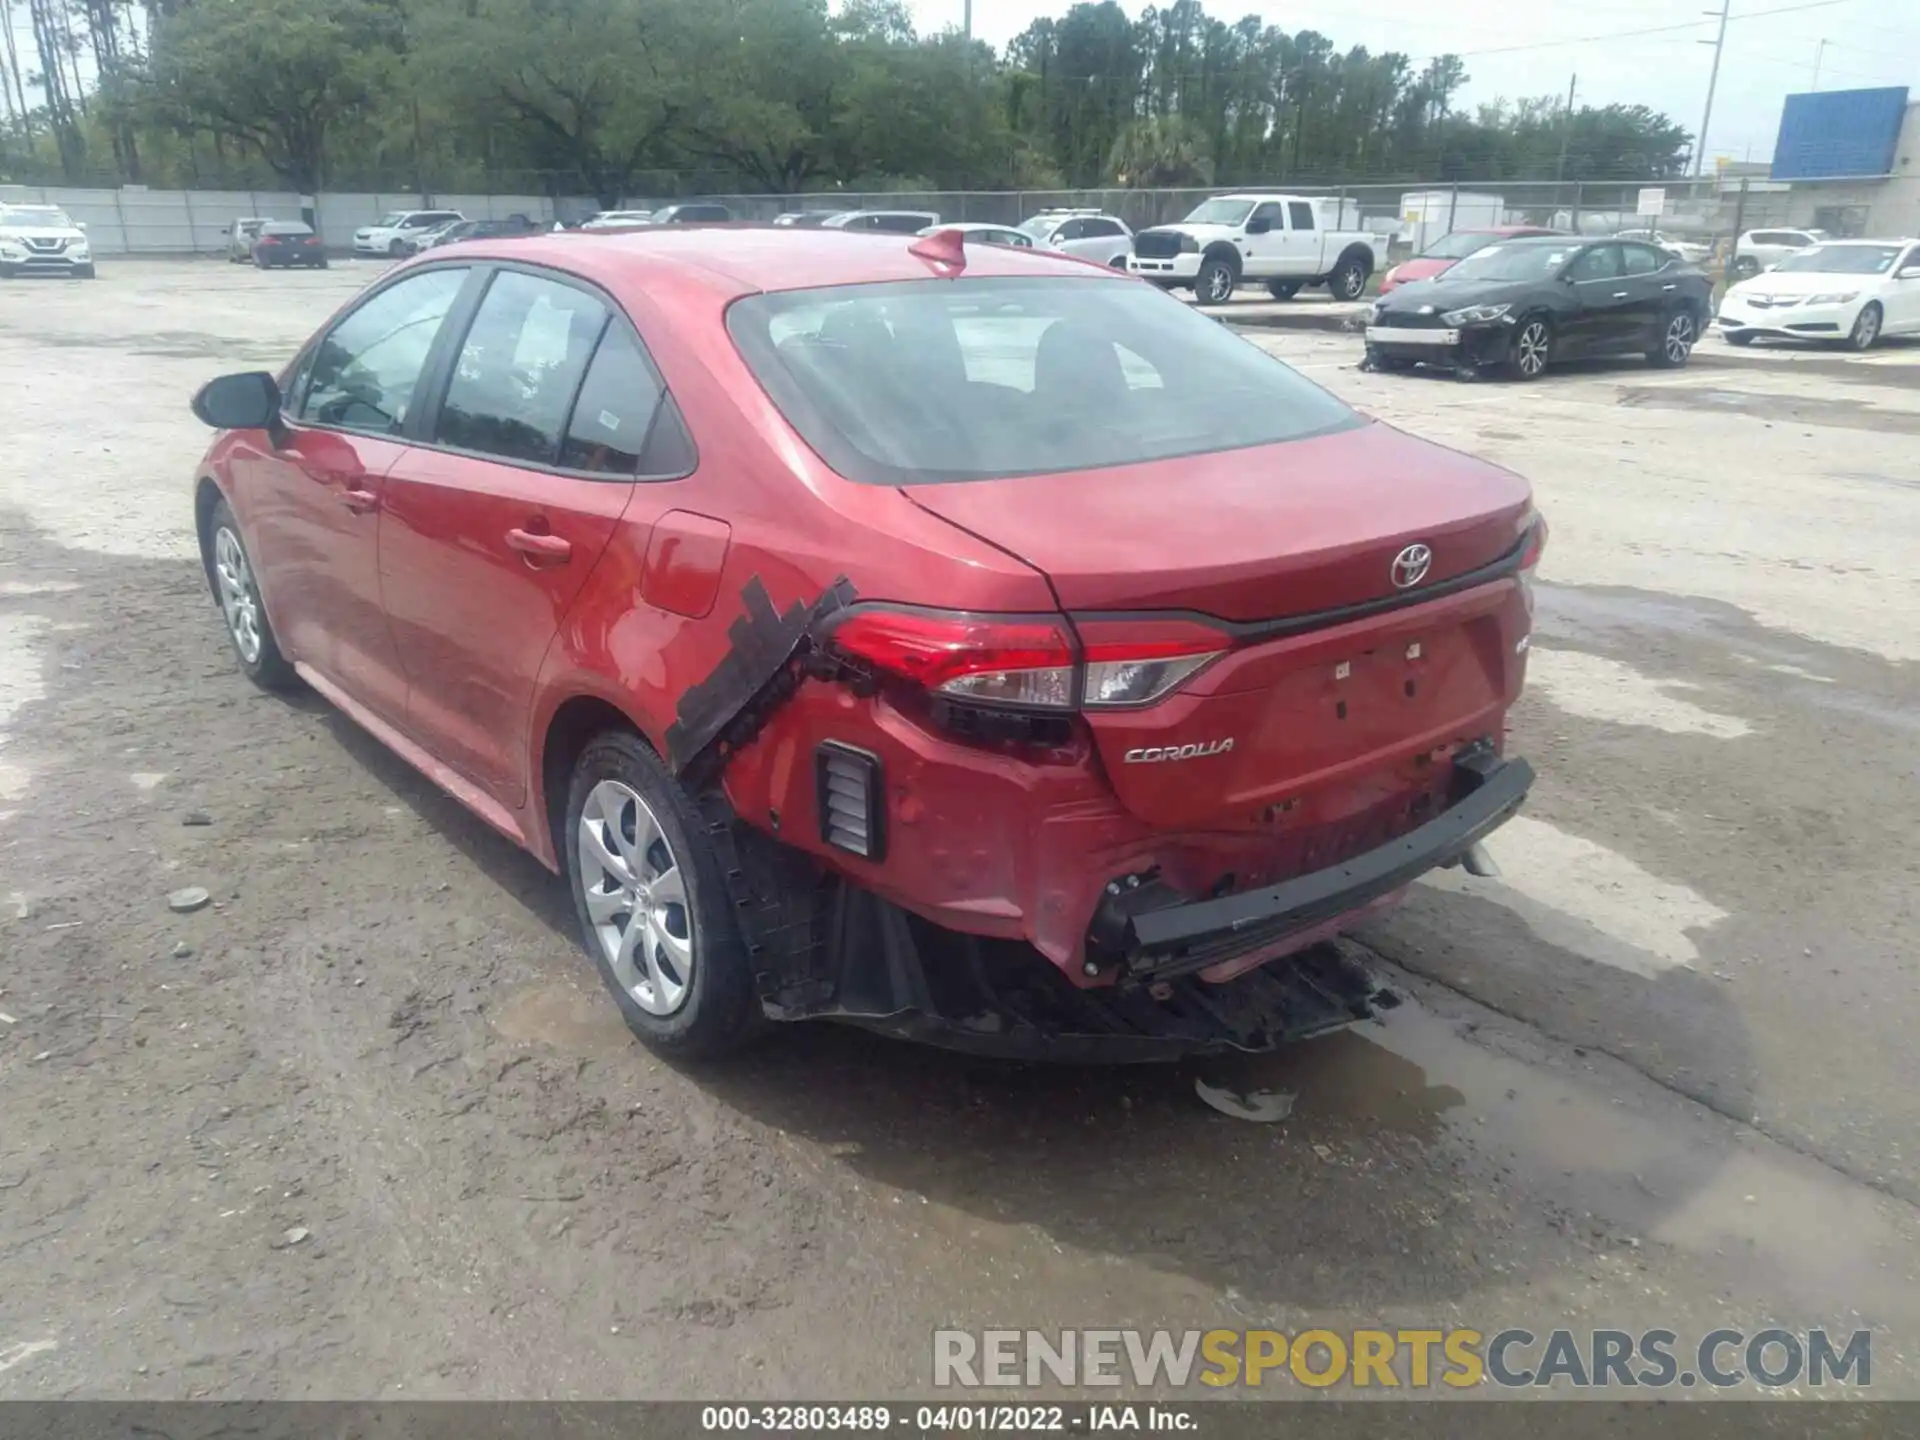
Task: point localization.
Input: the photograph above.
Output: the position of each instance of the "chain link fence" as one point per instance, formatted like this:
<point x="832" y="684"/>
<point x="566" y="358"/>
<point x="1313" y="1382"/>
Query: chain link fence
<point x="131" y="220"/>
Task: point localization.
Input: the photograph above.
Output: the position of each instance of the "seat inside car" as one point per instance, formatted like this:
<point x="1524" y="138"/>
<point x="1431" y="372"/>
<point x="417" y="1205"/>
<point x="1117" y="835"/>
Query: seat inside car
<point x="1075" y="369"/>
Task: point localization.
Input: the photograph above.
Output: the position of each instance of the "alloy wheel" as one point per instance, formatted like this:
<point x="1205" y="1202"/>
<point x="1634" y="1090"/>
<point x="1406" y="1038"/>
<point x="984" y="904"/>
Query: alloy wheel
<point x="1679" y="343"/>
<point x="1866" y="329"/>
<point x="1530" y="348"/>
<point x="636" y="898"/>
<point x="239" y="599"/>
<point x="1352" y="282"/>
<point x="1219" y="285"/>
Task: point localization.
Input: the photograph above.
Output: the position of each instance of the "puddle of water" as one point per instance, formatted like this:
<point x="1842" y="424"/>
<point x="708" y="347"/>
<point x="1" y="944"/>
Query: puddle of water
<point x="576" y="1021"/>
<point x="1676" y="1178"/>
<point x="1597" y="688"/>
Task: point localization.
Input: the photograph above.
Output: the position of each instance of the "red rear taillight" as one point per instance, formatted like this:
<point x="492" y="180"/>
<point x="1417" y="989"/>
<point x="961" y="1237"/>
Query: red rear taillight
<point x="1031" y="662"/>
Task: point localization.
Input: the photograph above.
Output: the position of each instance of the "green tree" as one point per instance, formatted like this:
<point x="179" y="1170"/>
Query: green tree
<point x="275" y="75"/>
<point x="1161" y="150"/>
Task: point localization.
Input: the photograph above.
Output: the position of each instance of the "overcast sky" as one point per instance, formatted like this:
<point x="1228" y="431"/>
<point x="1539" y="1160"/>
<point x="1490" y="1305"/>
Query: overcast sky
<point x="1871" y="42"/>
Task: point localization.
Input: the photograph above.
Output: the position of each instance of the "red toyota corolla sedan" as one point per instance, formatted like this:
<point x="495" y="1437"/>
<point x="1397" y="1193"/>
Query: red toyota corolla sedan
<point x="968" y="642"/>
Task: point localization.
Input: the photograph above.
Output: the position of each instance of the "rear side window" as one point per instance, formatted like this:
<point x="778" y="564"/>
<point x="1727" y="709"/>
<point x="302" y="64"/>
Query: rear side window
<point x="1644" y="259"/>
<point x="519" y="368"/>
<point x="918" y="382"/>
<point x="1300" y="214"/>
<point x="365" y="371"/>
<point x="615" y="409"/>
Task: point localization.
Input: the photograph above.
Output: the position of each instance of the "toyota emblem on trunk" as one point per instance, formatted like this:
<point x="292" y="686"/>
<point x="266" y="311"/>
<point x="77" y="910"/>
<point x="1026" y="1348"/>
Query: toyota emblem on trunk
<point x="1410" y="566"/>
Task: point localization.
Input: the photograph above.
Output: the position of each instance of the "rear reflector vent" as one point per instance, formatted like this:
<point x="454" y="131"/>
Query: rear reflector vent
<point x="851" y="793"/>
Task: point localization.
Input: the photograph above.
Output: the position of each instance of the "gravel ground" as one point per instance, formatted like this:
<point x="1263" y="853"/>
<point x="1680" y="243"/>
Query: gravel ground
<point x="366" y="1124"/>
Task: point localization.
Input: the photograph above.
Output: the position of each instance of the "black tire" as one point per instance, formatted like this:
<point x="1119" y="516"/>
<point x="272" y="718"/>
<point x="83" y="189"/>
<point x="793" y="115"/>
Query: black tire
<point x="260" y="263"/>
<point x="267" y="667"/>
<point x="1283" y="289"/>
<point x="1673" y="346"/>
<point x="1737" y="337"/>
<point x="1215" y="283"/>
<point x="85" y="272"/>
<point x="1349" y="279"/>
<point x="720" y="1009"/>
<point x="397" y="249"/>
<point x="1387" y="364"/>
<point x="1866" y="328"/>
<point x="1531" y="349"/>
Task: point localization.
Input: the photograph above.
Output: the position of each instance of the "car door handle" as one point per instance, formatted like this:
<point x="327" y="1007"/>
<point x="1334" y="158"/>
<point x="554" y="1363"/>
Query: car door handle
<point x="1669" y="287"/>
<point x="553" y="548"/>
<point x="1620" y="294"/>
<point x="359" y="501"/>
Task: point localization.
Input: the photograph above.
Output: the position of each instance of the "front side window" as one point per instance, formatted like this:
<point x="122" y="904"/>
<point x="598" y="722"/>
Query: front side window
<point x="1600" y="263"/>
<point x="1269" y="212"/>
<point x="917" y="382"/>
<point x="519" y="367"/>
<point x="365" y="371"/>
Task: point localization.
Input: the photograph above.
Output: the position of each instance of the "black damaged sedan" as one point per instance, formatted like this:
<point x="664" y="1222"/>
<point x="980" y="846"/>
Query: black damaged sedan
<point x="1520" y="305"/>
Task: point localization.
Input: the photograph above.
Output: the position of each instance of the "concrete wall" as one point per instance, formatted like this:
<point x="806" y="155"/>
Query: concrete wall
<point x="132" y="221"/>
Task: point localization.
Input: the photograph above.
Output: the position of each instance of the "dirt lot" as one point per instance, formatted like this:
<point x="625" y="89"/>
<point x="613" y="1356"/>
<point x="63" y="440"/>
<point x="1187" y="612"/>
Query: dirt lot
<point x="368" y="1126"/>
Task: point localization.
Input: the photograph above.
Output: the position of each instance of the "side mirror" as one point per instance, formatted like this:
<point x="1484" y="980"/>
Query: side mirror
<point x="80" y="225"/>
<point x="1259" y="227"/>
<point x="1907" y="272"/>
<point x="248" y="401"/>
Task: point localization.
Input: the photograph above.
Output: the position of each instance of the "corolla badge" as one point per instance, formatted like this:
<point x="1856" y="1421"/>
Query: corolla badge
<point x="1155" y="754"/>
<point x="1426" y="309"/>
<point x="1410" y="566"/>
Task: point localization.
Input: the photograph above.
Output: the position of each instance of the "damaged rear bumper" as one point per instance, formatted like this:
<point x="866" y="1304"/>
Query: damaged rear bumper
<point x="1178" y="939"/>
<point x="892" y="972"/>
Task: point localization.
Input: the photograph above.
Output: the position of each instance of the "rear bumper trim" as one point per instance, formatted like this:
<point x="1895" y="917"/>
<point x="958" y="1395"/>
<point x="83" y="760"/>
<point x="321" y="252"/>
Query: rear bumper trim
<point x="1184" y="938"/>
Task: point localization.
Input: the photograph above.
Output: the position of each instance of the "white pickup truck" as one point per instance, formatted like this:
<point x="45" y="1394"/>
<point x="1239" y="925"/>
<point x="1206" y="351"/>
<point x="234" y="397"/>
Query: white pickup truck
<point x="1276" y="238"/>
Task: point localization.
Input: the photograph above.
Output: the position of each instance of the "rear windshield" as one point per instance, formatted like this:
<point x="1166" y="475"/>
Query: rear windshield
<point x="922" y="381"/>
<point x="1460" y="243"/>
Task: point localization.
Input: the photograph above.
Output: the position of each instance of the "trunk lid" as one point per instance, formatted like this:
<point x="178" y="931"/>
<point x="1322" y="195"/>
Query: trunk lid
<point x="1256" y="534"/>
<point x="1338" y="731"/>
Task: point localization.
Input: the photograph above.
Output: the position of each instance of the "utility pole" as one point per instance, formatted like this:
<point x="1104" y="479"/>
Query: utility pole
<point x="1819" y="54"/>
<point x="1566" y="131"/>
<point x="966" y="23"/>
<point x="1713" y="79"/>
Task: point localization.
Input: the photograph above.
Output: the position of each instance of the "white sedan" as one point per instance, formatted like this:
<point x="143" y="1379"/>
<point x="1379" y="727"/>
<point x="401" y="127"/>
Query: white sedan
<point x="1852" y="291"/>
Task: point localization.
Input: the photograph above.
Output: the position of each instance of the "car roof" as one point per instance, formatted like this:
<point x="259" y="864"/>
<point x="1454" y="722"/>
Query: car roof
<point x="1862" y="240"/>
<point x="750" y="259"/>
